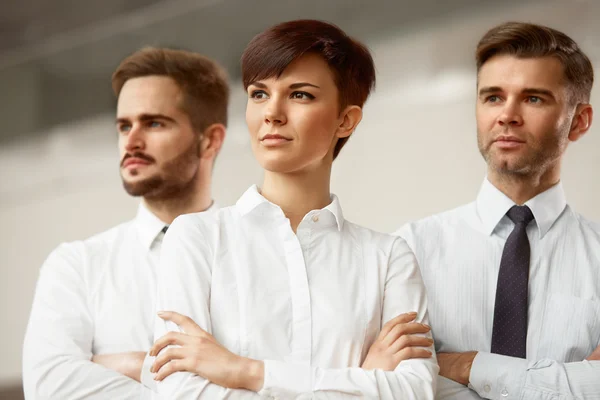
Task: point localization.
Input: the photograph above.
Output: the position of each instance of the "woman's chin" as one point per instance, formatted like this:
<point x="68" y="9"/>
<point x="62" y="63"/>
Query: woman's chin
<point x="280" y="165"/>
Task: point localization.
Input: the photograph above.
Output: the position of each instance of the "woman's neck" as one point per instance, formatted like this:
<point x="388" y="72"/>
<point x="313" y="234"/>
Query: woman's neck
<point x="298" y="193"/>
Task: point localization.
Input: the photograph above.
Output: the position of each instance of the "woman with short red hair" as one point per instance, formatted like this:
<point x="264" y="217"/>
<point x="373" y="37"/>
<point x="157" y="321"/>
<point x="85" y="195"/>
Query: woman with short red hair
<point x="285" y="297"/>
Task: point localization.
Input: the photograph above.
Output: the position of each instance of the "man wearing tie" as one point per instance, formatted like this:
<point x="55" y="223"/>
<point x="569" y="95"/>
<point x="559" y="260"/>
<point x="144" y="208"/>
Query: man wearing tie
<point x="92" y="318"/>
<point x="513" y="278"/>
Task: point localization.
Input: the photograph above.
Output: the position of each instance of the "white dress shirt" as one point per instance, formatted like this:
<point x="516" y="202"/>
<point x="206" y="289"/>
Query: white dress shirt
<point x="94" y="296"/>
<point x="459" y="254"/>
<point x="309" y="304"/>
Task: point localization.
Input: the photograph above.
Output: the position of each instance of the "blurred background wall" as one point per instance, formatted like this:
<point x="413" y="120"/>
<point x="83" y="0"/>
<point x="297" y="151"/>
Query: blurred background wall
<point x="414" y="154"/>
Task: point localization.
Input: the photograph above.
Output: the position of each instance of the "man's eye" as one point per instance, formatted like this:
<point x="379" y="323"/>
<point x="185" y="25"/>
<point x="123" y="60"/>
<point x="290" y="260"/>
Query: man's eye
<point x="534" y="99"/>
<point x="155" y="124"/>
<point x="123" y="128"/>
<point x="492" y="99"/>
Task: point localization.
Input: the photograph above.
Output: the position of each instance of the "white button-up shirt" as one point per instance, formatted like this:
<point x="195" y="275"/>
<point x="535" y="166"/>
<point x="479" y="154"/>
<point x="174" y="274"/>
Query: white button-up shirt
<point x="94" y="296"/>
<point x="459" y="253"/>
<point x="309" y="304"/>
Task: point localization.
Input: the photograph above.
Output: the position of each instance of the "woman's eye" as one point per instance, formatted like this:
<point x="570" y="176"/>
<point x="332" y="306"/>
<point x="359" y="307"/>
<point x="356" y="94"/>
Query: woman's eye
<point x="258" y="94"/>
<point x="302" y="96"/>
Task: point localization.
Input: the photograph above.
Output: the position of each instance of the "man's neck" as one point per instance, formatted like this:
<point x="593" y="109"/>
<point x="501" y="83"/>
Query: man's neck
<point x="167" y="209"/>
<point x="521" y="188"/>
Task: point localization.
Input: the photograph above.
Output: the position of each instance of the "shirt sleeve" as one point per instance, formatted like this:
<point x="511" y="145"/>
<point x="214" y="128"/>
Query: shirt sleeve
<point x="404" y="291"/>
<point x="57" y="350"/>
<point x="147" y="377"/>
<point x="494" y="376"/>
<point x="184" y="279"/>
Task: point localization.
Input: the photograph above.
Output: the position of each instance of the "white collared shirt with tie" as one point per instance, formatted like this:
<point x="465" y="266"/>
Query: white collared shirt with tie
<point x="309" y="304"/>
<point x="459" y="253"/>
<point x="94" y="296"/>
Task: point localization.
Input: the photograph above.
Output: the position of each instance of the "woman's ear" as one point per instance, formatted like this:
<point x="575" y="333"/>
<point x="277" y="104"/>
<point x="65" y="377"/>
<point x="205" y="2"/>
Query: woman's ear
<point x="350" y="118"/>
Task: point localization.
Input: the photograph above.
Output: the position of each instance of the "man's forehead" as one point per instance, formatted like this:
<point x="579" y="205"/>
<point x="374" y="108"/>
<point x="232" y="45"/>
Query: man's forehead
<point x="139" y="99"/>
<point x="507" y="70"/>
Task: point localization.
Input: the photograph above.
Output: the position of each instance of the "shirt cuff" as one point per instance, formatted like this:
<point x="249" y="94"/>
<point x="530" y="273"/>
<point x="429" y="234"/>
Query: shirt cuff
<point x="494" y="376"/>
<point x="285" y="380"/>
<point x="147" y="377"/>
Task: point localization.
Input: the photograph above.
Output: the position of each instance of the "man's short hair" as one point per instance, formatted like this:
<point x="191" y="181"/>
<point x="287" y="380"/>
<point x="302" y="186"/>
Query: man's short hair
<point x="524" y="40"/>
<point x="202" y="81"/>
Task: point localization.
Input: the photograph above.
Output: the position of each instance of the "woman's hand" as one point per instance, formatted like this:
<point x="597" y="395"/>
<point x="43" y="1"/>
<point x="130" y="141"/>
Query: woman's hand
<point x="198" y="352"/>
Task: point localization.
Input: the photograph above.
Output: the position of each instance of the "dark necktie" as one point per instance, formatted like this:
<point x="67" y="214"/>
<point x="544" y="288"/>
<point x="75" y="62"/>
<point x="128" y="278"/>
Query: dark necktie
<point x="509" y="333"/>
<point x="164" y="230"/>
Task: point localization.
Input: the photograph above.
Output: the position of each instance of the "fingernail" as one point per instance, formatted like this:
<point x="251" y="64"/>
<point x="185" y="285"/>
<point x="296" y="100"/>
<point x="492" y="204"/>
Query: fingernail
<point x="426" y="326"/>
<point x="412" y="313"/>
<point x="161" y="313"/>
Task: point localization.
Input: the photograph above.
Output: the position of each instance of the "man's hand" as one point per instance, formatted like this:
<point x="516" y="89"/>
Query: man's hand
<point x="595" y="356"/>
<point x="398" y="341"/>
<point x="199" y="352"/>
<point x="456" y="366"/>
<point x="128" y="364"/>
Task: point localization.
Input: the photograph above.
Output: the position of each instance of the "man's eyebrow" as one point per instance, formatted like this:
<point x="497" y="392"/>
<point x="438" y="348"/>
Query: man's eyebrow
<point x="530" y="91"/>
<point x="147" y="117"/>
<point x="489" y="89"/>
<point x="538" y="91"/>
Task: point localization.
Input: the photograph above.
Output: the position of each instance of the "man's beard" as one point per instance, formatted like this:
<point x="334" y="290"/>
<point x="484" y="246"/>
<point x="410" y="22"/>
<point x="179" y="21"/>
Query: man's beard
<point x="545" y="152"/>
<point x="171" y="180"/>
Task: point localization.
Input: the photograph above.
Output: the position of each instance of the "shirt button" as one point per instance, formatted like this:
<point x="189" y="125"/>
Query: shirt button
<point x="504" y="393"/>
<point x="487" y="388"/>
<point x="315" y="218"/>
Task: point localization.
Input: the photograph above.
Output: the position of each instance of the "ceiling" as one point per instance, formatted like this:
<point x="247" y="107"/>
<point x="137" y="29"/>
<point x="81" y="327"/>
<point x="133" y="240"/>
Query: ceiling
<point x="56" y="57"/>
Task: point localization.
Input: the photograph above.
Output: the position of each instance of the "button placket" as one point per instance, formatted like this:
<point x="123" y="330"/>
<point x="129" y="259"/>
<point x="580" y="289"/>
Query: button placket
<point x="301" y="344"/>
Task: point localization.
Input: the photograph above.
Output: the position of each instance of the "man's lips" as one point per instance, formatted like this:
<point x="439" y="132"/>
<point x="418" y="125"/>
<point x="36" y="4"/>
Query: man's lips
<point x="134" y="161"/>
<point x="508" y="142"/>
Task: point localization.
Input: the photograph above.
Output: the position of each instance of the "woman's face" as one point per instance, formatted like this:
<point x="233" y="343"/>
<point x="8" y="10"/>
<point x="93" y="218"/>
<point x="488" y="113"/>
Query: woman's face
<point x="294" y="120"/>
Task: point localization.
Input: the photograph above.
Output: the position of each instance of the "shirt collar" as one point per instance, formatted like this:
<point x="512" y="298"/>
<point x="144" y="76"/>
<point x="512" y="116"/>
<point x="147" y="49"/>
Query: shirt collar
<point x="546" y="207"/>
<point x="253" y="202"/>
<point x="149" y="226"/>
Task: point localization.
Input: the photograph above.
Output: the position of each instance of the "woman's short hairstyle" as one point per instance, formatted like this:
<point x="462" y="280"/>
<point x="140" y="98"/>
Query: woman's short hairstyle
<point x="269" y="53"/>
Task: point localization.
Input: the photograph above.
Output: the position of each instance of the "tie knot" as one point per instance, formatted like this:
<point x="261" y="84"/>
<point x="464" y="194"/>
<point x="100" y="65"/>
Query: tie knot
<point x="520" y="215"/>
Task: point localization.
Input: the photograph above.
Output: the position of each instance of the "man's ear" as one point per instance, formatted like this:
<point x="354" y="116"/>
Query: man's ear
<point x="582" y="121"/>
<point x="211" y="141"/>
<point x="350" y="118"/>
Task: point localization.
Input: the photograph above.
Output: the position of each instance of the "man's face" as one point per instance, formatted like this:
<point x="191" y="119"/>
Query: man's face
<point x="523" y="114"/>
<point x="158" y="147"/>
